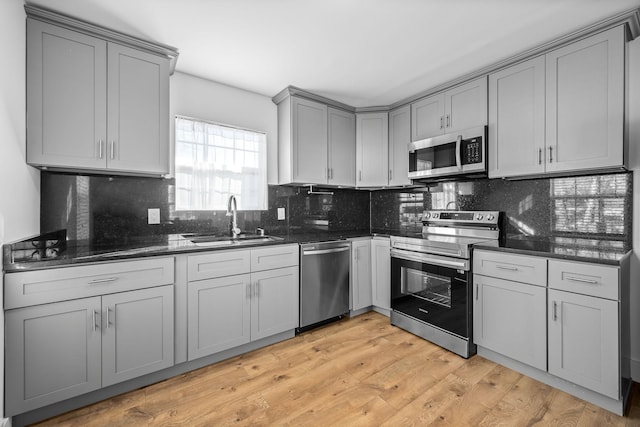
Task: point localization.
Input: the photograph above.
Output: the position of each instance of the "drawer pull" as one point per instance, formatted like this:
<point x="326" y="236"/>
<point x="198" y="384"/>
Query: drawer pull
<point x="105" y="280"/>
<point x="506" y="267"/>
<point x="581" y="280"/>
<point x="108" y="321"/>
<point x="95" y="323"/>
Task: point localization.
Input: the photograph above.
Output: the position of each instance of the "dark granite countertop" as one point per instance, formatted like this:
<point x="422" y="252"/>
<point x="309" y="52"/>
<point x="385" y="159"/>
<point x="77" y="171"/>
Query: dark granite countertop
<point x="53" y="250"/>
<point x="599" y="251"/>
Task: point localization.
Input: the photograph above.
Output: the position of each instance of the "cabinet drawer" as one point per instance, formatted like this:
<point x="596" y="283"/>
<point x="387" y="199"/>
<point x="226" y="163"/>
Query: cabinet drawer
<point x="519" y="268"/>
<point x="584" y="278"/>
<point x="218" y="264"/>
<point x="66" y="283"/>
<point x="274" y="257"/>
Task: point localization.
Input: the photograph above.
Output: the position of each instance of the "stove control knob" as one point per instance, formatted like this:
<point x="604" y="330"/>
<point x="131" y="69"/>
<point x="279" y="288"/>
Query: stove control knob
<point x="435" y="215"/>
<point x="479" y="217"/>
<point x="490" y="217"/>
<point x="427" y="215"/>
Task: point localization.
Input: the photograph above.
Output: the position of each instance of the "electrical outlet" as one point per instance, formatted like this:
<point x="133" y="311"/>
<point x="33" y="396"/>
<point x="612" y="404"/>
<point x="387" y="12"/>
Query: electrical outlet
<point x="280" y="214"/>
<point x="153" y="216"/>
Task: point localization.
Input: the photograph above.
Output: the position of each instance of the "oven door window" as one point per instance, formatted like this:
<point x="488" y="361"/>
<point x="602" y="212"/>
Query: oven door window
<point x="433" y="294"/>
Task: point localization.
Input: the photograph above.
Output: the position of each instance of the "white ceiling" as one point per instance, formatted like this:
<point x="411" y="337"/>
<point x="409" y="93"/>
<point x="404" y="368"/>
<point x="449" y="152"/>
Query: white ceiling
<point x="359" y="52"/>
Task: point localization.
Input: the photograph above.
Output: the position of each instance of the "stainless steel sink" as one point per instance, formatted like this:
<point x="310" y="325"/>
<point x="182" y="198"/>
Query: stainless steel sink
<point x="243" y="239"/>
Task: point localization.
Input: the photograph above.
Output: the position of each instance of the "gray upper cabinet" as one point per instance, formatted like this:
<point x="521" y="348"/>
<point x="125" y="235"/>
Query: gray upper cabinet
<point x="372" y="149"/>
<point x="138" y="111"/>
<point x="560" y="112"/>
<point x="342" y="148"/>
<point x="399" y="138"/>
<point x="95" y="105"/>
<point x="585" y="103"/>
<point x="316" y="143"/>
<point x="517" y="120"/>
<point x="459" y="108"/>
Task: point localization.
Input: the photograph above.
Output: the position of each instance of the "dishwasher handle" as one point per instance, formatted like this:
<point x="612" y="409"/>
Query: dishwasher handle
<point x="325" y="251"/>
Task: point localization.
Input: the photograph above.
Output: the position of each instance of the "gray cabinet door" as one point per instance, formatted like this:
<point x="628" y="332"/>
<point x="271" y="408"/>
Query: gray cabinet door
<point x="517" y="120"/>
<point x="219" y="314"/>
<point x="427" y="117"/>
<point x="138" y="130"/>
<point x="584" y="342"/>
<point x="381" y="272"/>
<point x="66" y="97"/>
<point x="309" y="141"/>
<point x="342" y="147"/>
<point x="52" y="353"/>
<point x="585" y="103"/>
<point x="466" y="106"/>
<point x="510" y="318"/>
<point x="138" y="333"/>
<point x="399" y="138"/>
<point x="361" y="295"/>
<point x="372" y="149"/>
<point x="275" y="302"/>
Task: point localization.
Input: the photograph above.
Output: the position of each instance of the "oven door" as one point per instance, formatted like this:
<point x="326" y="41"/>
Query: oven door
<point x="432" y="289"/>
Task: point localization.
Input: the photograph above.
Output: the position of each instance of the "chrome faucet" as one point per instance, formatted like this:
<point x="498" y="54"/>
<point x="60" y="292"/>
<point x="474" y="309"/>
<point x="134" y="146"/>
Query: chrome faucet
<point x="232" y="208"/>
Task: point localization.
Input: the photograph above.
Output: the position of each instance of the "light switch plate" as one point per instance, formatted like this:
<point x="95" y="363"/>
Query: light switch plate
<point x="153" y="216"/>
<point x="280" y="214"/>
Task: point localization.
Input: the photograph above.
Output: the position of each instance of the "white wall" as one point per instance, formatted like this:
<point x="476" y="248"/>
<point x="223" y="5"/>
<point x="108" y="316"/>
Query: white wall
<point x="19" y="183"/>
<point x="634" y="163"/>
<point x="204" y="99"/>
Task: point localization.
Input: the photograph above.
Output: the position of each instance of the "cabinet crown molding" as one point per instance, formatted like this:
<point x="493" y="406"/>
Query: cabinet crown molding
<point x="69" y="22"/>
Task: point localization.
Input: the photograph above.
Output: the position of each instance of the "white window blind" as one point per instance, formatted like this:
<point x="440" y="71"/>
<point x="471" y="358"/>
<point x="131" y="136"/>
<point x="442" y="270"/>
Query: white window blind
<point x="590" y="204"/>
<point x="214" y="161"/>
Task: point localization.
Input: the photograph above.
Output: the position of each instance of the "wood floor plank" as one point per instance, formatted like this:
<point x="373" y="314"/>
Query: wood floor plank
<point x="355" y="372"/>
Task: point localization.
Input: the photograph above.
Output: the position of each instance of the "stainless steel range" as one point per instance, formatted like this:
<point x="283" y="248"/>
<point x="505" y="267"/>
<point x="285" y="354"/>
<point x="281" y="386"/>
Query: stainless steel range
<point x="431" y="284"/>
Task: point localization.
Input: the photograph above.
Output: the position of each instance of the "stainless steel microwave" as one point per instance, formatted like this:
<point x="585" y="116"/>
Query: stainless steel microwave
<point x="458" y="154"/>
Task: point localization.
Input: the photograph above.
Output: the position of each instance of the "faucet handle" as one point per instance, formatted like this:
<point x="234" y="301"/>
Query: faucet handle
<point x="260" y="231"/>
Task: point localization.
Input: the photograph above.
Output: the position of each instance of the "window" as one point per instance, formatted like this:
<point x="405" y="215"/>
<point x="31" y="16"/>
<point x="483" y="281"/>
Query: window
<point x="590" y="205"/>
<point x="213" y="161"/>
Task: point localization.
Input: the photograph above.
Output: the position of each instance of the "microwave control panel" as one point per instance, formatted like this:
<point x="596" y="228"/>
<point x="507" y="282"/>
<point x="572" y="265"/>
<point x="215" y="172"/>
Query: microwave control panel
<point x="471" y="150"/>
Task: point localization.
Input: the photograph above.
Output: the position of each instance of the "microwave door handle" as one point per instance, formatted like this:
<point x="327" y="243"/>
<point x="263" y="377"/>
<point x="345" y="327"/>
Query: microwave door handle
<point x="458" y="156"/>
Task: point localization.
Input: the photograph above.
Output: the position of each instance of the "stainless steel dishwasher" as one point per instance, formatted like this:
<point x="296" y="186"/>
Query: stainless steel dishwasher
<point x="324" y="282"/>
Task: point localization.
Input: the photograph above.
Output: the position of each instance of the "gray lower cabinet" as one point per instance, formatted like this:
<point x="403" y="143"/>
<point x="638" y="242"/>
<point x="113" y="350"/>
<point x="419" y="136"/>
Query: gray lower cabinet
<point x="381" y="272"/>
<point x="510" y="318"/>
<point x="252" y="295"/>
<point x="361" y="292"/>
<point x="60" y="350"/>
<point x="138" y="334"/>
<point x="52" y="353"/>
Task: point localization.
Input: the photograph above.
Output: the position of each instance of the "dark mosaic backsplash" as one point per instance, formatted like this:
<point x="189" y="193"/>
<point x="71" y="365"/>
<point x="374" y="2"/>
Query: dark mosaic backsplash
<point x="591" y="206"/>
<point x="104" y="210"/>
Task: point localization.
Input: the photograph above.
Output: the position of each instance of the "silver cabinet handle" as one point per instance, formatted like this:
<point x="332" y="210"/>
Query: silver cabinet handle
<point x="550" y="154"/>
<point x="477" y="292"/>
<point x="105" y="280"/>
<point x="113" y="149"/>
<point x="555" y="311"/>
<point x="539" y="156"/>
<point x="325" y="251"/>
<point x="360" y="174"/>
<point x="441" y="122"/>
<point x="506" y="267"/>
<point x="581" y="280"/>
<point x="95" y="322"/>
<point x="458" y="148"/>
<point x="448" y="120"/>
<point x="100" y="149"/>
<point x="108" y="320"/>
<point x="331" y="170"/>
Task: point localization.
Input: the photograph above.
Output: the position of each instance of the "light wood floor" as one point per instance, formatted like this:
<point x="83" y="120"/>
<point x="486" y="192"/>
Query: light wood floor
<point x="360" y="371"/>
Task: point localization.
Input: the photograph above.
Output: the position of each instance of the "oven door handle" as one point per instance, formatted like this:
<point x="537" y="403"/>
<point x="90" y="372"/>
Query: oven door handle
<point x="461" y="264"/>
<point x="458" y="153"/>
